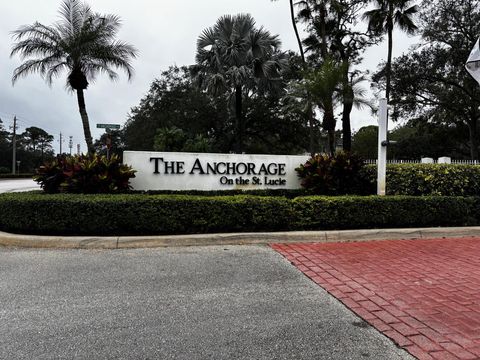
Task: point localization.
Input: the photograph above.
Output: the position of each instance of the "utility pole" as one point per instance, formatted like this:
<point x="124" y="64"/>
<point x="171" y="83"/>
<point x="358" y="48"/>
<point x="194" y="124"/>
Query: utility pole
<point x="14" y="145"/>
<point x="70" y="144"/>
<point x="61" y="141"/>
<point x="78" y="149"/>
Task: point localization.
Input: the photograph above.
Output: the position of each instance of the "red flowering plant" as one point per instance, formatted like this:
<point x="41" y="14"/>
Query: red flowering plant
<point x="85" y="174"/>
<point x="340" y="174"/>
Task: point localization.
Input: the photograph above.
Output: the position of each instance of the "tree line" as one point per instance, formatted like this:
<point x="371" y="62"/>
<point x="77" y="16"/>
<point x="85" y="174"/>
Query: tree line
<point x="33" y="147"/>
<point x="245" y="94"/>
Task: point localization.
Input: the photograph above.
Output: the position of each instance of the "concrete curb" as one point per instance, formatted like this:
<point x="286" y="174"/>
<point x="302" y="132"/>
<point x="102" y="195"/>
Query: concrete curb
<point x="130" y="242"/>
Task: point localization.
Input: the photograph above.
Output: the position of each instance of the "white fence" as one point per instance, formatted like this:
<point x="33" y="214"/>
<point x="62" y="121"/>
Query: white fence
<point x="455" y="162"/>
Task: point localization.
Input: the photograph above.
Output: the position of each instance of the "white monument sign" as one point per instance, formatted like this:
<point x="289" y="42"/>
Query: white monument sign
<point x="191" y="171"/>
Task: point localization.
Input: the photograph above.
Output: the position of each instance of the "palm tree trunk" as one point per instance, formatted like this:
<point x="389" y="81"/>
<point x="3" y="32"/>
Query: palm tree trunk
<point x="473" y="136"/>
<point x="328" y="118"/>
<point x="311" y="114"/>
<point x="240" y="125"/>
<point x="323" y="29"/>
<point x="346" y="127"/>
<point x="348" y="97"/>
<point x="390" y="49"/>
<point x="86" y="124"/>
<point x="295" y="28"/>
<point x="329" y="126"/>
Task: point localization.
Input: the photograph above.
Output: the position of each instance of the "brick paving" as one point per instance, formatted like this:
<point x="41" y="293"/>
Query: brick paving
<point x="423" y="294"/>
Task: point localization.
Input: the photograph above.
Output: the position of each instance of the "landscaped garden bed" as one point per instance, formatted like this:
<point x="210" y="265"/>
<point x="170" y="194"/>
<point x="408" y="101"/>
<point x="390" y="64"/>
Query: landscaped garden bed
<point x="90" y="195"/>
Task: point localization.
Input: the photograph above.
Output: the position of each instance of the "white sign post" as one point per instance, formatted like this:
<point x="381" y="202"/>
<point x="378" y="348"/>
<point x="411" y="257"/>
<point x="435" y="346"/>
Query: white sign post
<point x="382" y="147"/>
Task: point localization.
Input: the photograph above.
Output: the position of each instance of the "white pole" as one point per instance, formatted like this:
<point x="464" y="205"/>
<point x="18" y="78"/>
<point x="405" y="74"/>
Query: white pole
<point x="14" y="144"/>
<point x="382" y="148"/>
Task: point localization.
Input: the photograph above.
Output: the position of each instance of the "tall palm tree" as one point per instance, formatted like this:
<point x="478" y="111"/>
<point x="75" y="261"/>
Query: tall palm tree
<point x="382" y="20"/>
<point x="316" y="13"/>
<point x="234" y="56"/>
<point x="310" y="112"/>
<point x="82" y="43"/>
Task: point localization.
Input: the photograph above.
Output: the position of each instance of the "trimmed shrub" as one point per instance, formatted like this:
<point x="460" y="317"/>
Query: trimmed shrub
<point x="357" y="212"/>
<point x="428" y="179"/>
<point x="324" y="174"/>
<point x="134" y="214"/>
<point x="288" y="193"/>
<point x="84" y="174"/>
<point x="140" y="214"/>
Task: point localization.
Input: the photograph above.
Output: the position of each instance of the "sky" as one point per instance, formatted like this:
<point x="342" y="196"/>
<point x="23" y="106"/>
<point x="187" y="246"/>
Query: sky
<point x="165" y="34"/>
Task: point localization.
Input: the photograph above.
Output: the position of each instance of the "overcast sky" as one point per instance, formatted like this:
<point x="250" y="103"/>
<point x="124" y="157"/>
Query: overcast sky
<point x="164" y="32"/>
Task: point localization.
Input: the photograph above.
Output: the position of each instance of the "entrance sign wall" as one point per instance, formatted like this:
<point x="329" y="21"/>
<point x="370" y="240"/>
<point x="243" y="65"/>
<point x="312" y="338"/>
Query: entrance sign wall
<point x="191" y="171"/>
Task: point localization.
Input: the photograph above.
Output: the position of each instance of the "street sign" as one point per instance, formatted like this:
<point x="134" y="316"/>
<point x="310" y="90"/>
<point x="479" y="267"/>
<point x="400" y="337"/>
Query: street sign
<point x="108" y="126"/>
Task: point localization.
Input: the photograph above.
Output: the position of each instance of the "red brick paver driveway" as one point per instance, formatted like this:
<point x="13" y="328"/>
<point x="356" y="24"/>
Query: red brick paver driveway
<point x="423" y="294"/>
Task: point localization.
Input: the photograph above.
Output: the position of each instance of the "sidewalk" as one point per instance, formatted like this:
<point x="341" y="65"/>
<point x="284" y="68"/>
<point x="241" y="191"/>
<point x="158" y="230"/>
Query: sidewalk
<point x="122" y="242"/>
<point x="424" y="295"/>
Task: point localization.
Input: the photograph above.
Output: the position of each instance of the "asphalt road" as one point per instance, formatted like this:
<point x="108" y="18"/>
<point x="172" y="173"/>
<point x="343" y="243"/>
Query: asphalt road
<point x="243" y="302"/>
<point x="16" y="185"/>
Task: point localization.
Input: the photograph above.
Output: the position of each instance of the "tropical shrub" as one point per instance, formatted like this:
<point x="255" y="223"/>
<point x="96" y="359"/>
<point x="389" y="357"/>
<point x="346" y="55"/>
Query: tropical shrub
<point x="427" y="179"/>
<point x="86" y="174"/>
<point x="339" y="174"/>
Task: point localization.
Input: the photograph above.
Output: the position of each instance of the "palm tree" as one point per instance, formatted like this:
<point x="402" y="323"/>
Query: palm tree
<point x="325" y="86"/>
<point x="82" y="43"/>
<point x="309" y="108"/>
<point x="382" y="20"/>
<point x="316" y="14"/>
<point x="354" y="95"/>
<point x="234" y="56"/>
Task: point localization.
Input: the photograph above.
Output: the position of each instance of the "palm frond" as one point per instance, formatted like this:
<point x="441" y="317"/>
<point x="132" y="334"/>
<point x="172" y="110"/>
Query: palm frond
<point x="40" y="66"/>
<point x="54" y="71"/>
<point x="404" y="20"/>
<point x="243" y="25"/>
<point x="73" y="14"/>
<point x="34" y="47"/>
<point x="377" y="19"/>
<point x="36" y="31"/>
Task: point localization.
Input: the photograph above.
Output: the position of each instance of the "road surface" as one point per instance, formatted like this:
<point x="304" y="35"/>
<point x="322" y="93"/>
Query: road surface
<point x="18" y="185"/>
<point x="218" y="302"/>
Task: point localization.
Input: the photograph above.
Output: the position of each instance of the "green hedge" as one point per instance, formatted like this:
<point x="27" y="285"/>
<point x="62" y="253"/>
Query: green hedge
<point x="38" y="213"/>
<point x="428" y="179"/>
<point x="385" y="212"/>
<point x="288" y="193"/>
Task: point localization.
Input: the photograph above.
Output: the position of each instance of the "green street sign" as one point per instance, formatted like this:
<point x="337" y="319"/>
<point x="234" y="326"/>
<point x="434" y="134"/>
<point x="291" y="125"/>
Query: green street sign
<point x="108" y="126"/>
